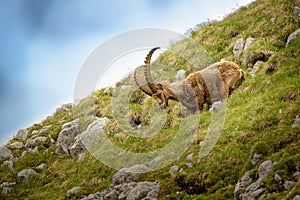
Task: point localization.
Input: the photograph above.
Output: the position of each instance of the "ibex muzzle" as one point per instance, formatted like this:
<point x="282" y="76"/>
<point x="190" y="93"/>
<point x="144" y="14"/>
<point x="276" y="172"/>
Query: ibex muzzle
<point x="214" y="83"/>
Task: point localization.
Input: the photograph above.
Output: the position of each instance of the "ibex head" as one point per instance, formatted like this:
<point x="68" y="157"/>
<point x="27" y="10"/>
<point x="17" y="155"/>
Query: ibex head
<point x="159" y="91"/>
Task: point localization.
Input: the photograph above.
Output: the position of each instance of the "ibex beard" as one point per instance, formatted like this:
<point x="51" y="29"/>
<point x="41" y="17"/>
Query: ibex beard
<point x="212" y="84"/>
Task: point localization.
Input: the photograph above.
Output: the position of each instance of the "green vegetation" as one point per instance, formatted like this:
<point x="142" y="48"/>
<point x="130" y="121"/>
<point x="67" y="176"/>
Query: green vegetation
<point x="259" y="118"/>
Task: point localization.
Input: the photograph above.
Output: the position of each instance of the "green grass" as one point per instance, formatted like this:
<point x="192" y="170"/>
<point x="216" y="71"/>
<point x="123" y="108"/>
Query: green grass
<point x="259" y="118"/>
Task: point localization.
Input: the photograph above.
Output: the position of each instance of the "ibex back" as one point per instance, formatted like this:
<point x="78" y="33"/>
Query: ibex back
<point x="214" y="83"/>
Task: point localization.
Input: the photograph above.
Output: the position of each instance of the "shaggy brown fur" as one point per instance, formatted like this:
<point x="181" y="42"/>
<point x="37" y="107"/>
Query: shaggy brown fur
<point x="214" y="83"/>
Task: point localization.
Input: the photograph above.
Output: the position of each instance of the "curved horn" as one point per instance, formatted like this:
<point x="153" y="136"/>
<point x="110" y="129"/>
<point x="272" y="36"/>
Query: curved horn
<point x="140" y="84"/>
<point x="147" y="72"/>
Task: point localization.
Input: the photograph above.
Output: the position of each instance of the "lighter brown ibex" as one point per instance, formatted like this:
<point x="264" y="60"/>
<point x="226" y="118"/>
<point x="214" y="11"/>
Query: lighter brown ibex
<point x="214" y="83"/>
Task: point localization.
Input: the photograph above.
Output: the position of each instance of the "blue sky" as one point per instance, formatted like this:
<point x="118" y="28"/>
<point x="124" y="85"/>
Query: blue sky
<point x="44" y="43"/>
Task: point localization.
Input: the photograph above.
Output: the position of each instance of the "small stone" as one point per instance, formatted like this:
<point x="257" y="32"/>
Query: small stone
<point x="24" y="175"/>
<point x="296" y="10"/>
<point x="238" y="46"/>
<point x="189" y="165"/>
<point x="277" y="178"/>
<point x="189" y="157"/>
<point x="273" y="20"/>
<point x="16" y="145"/>
<point x="173" y="170"/>
<point x="296" y="175"/>
<point x="9" y="164"/>
<point x="42" y="166"/>
<point x="256" y="158"/>
<point x="296" y="122"/>
<point x="46" y="128"/>
<point x="297" y="197"/>
<point x="22" y="134"/>
<point x="287" y="184"/>
<point x="265" y="168"/>
<point x="248" y="43"/>
<point x="292" y="37"/>
<point x="5" y="153"/>
<point x="73" y="191"/>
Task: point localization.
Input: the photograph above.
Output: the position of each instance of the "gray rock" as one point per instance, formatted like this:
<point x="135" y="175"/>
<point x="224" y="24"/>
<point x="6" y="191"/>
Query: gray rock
<point x="256" y="158"/>
<point x="22" y="134"/>
<point x="248" y="43"/>
<point x="32" y="143"/>
<point x="73" y="191"/>
<point x="65" y="107"/>
<point x="296" y="10"/>
<point x="66" y="137"/>
<point x="293" y="36"/>
<point x="296" y="122"/>
<point x="24" y="175"/>
<point x="7" y="184"/>
<point x="16" y="145"/>
<point x="131" y="174"/>
<point x="254" y="190"/>
<point x="173" y="170"/>
<point x="6" y="190"/>
<point x="96" y="196"/>
<point x="238" y="46"/>
<point x="265" y="168"/>
<point x="273" y="20"/>
<point x="34" y="132"/>
<point x="87" y="137"/>
<point x="241" y="185"/>
<point x="256" y="68"/>
<point x="46" y="128"/>
<point x="287" y="184"/>
<point x="189" y="157"/>
<point x="5" y="154"/>
<point x="296" y="175"/>
<point x="111" y="195"/>
<point x="32" y="150"/>
<point x="144" y="190"/>
<point x="180" y="75"/>
<point x="189" y="165"/>
<point x="277" y="178"/>
<point x="297" y="197"/>
<point x="9" y="164"/>
<point x="42" y="166"/>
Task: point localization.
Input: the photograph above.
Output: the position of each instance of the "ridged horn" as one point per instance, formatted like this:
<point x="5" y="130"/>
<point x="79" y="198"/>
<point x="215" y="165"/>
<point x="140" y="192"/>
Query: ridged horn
<point x="147" y="72"/>
<point x="139" y="82"/>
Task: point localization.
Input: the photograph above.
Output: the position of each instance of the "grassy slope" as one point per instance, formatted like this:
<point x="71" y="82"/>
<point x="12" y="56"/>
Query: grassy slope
<point x="254" y="122"/>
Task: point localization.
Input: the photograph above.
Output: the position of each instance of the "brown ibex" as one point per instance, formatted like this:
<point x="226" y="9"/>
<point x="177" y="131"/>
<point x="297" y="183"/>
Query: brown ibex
<point x="212" y="84"/>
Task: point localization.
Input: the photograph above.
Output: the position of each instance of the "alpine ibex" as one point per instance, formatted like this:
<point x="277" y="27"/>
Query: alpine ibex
<point x="214" y="83"/>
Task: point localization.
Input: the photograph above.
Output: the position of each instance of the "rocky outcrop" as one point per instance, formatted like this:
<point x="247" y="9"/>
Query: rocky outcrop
<point x="242" y="45"/>
<point x="66" y="137"/>
<point x="16" y="145"/>
<point x="73" y="192"/>
<point x="125" y="185"/>
<point x="292" y="37"/>
<point x="5" y="154"/>
<point x="246" y="189"/>
<point x="86" y="137"/>
<point x="238" y="47"/>
<point x="32" y="143"/>
<point x="22" y="135"/>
